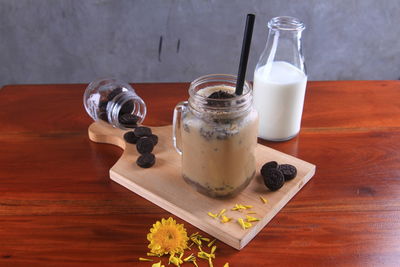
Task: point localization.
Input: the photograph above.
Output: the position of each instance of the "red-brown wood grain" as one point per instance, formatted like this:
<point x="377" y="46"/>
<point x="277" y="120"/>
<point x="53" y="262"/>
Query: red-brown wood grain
<point x="58" y="206"/>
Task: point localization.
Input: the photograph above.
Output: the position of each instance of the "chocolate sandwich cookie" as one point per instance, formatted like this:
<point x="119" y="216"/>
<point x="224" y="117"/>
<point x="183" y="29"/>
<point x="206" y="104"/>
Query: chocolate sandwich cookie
<point x="219" y="95"/>
<point x="274" y="179"/>
<point x="146" y="160"/>
<point x="127" y="108"/>
<point x="288" y="171"/>
<point x="144" y="145"/>
<point x="114" y="93"/>
<point x="128" y="120"/>
<point x="130" y="137"/>
<point x="267" y="166"/>
<point x="142" y="131"/>
<point x="154" y="138"/>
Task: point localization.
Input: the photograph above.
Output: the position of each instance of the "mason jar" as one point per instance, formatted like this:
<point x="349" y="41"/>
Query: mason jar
<point x="216" y="137"/>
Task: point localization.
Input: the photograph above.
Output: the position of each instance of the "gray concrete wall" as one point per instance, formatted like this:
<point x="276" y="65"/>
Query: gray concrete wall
<point x="71" y="41"/>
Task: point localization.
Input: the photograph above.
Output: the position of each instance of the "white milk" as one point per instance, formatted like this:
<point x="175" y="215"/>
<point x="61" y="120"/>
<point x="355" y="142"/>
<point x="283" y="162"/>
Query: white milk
<point x="279" y="89"/>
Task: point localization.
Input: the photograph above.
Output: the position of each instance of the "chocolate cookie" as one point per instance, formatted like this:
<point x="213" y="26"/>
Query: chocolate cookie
<point x="288" y="171"/>
<point x="142" y="131"/>
<point x="219" y="95"/>
<point x="267" y="166"/>
<point x="146" y="160"/>
<point x="154" y="138"/>
<point x="274" y="179"/>
<point x="114" y="93"/>
<point x="130" y="137"/>
<point x="128" y="120"/>
<point x="126" y="108"/>
<point x="144" y="145"/>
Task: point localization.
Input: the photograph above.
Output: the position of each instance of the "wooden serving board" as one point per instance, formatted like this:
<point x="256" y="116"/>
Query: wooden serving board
<point x="163" y="185"/>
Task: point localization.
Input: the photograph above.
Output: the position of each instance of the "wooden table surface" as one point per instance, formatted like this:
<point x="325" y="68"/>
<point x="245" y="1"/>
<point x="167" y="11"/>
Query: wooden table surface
<point x="58" y="206"/>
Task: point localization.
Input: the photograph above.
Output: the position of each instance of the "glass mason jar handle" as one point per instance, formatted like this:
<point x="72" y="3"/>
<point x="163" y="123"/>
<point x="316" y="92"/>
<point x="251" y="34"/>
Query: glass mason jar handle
<point x="176" y="125"/>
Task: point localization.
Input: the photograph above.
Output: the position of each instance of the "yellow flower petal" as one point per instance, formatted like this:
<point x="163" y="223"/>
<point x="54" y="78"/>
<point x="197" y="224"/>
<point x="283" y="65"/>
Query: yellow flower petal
<point x="210" y="262"/>
<point x="175" y="260"/>
<point x="158" y="264"/>
<point x="265" y="201"/>
<point x="211" y="243"/>
<point x="221" y="212"/>
<point x="225" y="219"/>
<point x="212" y="215"/>
<point x="251" y="219"/>
<point x="144" y="259"/>
<point x="226" y="265"/>
<point x="203" y="255"/>
<point x="243" y="224"/>
<point x="240" y="207"/>
<point x="189" y="258"/>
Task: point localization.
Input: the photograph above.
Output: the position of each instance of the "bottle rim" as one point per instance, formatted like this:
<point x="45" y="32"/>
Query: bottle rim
<point x="286" y="23"/>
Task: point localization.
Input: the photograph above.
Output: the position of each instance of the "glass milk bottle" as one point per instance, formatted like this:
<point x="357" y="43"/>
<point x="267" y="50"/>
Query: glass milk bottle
<point x="280" y="81"/>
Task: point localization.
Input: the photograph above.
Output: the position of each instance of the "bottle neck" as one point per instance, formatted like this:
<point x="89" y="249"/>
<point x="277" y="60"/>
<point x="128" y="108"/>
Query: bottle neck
<point x="125" y="102"/>
<point x="284" y="43"/>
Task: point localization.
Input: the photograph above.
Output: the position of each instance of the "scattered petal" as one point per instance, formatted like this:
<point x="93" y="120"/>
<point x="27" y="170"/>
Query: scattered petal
<point x="251" y="219"/>
<point x="221" y="212"/>
<point x="189" y="258"/>
<point x="175" y="260"/>
<point x="211" y="243"/>
<point x="144" y="259"/>
<point x="210" y="262"/>
<point x="158" y="264"/>
<point x="225" y="219"/>
<point x="153" y="254"/>
<point x="264" y="200"/>
<point x="203" y="255"/>
<point x="243" y="224"/>
<point x="212" y="215"/>
<point x="240" y="207"/>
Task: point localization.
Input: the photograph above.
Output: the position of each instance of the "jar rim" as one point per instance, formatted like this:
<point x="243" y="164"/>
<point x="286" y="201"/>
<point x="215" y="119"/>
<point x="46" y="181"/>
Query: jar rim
<point x="286" y="23"/>
<point x="219" y="78"/>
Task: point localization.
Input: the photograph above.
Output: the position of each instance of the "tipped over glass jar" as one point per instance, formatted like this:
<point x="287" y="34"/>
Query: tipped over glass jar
<point x="115" y="102"/>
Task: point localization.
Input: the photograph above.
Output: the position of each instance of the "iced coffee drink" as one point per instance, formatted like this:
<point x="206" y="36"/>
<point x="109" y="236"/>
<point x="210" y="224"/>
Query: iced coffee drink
<point x="218" y="132"/>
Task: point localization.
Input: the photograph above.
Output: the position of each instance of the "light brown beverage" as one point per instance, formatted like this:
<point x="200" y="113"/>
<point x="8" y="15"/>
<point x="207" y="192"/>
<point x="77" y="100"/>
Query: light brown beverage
<point x="218" y="150"/>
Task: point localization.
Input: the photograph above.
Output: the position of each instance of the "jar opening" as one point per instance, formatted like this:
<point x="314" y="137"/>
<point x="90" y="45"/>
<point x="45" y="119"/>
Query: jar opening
<point x="218" y="80"/>
<point x="232" y="107"/>
<point x="286" y="23"/>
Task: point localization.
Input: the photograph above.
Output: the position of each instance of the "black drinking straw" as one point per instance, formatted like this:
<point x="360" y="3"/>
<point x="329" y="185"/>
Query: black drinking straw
<point x="248" y="33"/>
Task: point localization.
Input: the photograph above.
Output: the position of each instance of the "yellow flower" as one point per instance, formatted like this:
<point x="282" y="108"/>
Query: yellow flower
<point x="167" y="237"/>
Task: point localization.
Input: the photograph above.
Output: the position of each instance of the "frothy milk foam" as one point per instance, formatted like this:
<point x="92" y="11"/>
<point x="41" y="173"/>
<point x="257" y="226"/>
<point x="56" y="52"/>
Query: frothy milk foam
<point x="279" y="89"/>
